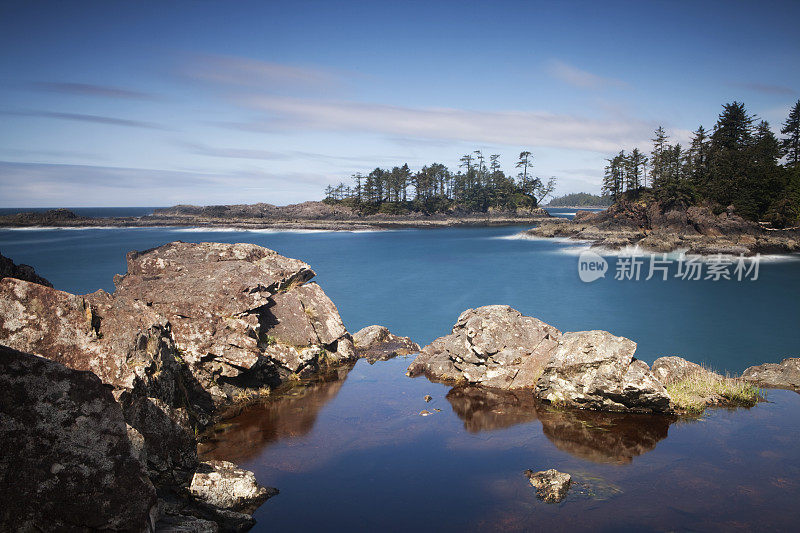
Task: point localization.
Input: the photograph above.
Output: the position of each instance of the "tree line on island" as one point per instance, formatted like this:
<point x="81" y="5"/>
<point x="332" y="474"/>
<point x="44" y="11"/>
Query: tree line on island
<point x="478" y="186"/>
<point x="739" y="163"/>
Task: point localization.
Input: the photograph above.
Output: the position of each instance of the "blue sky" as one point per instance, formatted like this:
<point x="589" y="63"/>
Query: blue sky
<point x="158" y="103"/>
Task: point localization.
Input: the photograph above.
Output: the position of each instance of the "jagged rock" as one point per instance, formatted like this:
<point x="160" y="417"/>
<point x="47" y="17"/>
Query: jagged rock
<point x="783" y="375"/>
<point x="377" y="343"/>
<point x="672" y="369"/>
<point x="551" y="485"/>
<point x="24" y="272"/>
<point x="242" y="316"/>
<point x="65" y="459"/>
<point x="494" y="346"/>
<point x="131" y="350"/>
<point x="597" y="370"/>
<point x="226" y="486"/>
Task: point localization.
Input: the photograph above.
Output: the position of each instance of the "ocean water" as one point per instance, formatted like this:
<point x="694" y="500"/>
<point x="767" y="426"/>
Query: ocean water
<point x="355" y="454"/>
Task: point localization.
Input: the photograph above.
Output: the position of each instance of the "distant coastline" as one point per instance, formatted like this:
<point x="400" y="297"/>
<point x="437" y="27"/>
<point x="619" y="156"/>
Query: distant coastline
<point x="305" y="216"/>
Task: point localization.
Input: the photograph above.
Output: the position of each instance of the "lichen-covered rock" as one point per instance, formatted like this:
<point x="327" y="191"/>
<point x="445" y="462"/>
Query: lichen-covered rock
<point x="242" y="316"/>
<point x="8" y="269"/>
<point x="65" y="459"/>
<point x="597" y="370"/>
<point x="783" y="375"/>
<point x="551" y="485"/>
<point x="226" y="486"/>
<point x="494" y="346"/>
<point x="377" y="343"/>
<point x="672" y="369"/>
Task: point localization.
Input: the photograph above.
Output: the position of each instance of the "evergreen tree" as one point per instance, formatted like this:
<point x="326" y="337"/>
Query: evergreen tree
<point x="657" y="162"/>
<point x="790" y="146"/>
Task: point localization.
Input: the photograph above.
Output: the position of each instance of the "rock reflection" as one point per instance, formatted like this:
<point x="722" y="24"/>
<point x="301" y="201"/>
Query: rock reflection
<point x="484" y="409"/>
<point x="591" y="435"/>
<point x="291" y="413"/>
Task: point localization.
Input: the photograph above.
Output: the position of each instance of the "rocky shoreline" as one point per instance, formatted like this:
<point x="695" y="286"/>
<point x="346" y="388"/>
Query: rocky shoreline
<point x="695" y="230"/>
<point x="107" y="395"/>
<point x="307" y="216"/>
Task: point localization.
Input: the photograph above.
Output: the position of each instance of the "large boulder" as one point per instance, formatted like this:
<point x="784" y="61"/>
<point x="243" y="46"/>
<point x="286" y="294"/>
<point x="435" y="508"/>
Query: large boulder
<point x="65" y="459"/>
<point x="673" y="369"/>
<point x="597" y="370"/>
<point x="494" y="346"/>
<point x="131" y="351"/>
<point x="377" y="343"/>
<point x="243" y="317"/>
<point x="783" y="375"/>
<point x="8" y="269"/>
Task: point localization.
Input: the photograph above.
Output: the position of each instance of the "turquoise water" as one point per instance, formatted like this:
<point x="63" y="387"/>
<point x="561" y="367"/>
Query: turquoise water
<point x="417" y="282"/>
<point x="354" y="454"/>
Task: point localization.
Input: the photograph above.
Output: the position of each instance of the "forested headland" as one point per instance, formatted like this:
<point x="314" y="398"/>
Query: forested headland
<point x="580" y="199"/>
<point x="478" y="185"/>
<point x="740" y="162"/>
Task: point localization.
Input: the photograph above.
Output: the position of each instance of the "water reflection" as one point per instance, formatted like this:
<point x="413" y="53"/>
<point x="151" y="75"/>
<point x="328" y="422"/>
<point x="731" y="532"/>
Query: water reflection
<point x="292" y="413"/>
<point x="591" y="435"/>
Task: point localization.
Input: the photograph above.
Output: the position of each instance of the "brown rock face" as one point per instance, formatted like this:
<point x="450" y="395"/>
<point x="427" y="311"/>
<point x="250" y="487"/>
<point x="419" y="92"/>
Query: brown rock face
<point x="597" y="370"/>
<point x="376" y="343"/>
<point x="65" y="459"/>
<point x="494" y="346"/>
<point x="783" y="375"/>
<point x="24" y="272"/>
<point x="241" y="315"/>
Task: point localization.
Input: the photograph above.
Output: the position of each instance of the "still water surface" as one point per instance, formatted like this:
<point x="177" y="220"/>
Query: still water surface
<point x="355" y="454"/>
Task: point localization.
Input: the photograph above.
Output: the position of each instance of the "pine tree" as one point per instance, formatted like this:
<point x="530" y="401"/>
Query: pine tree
<point x="657" y="163"/>
<point x="790" y="146"/>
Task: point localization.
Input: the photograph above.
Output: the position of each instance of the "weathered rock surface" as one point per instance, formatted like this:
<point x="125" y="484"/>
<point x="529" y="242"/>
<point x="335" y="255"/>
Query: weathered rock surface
<point x="672" y="369"/>
<point x="377" y="343"/>
<point x="551" y="485"/>
<point x="242" y="316"/>
<point x="597" y="370"/>
<point x="226" y="486"/>
<point x="783" y="375"/>
<point x="494" y="346"/>
<point x="65" y="459"/>
<point x="8" y="269"/>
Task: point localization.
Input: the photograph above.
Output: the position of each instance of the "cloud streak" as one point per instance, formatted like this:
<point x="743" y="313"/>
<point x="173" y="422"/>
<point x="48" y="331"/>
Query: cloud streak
<point x="88" y="89"/>
<point x="766" y="88"/>
<point x="580" y="78"/>
<point x="515" y="128"/>
<point x="79" y="117"/>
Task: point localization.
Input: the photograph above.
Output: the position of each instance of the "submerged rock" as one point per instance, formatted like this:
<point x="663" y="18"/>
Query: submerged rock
<point x="783" y="375"/>
<point x="377" y="343"/>
<point x="597" y="370"/>
<point x="65" y="458"/>
<point x="551" y="485"/>
<point x="8" y="269"/>
<point x="494" y="346"/>
<point x="224" y="485"/>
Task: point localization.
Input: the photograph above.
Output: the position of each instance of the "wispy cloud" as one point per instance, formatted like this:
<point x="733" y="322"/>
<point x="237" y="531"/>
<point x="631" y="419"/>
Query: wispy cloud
<point x="580" y="78"/>
<point x="89" y="89"/>
<point x="79" y="117"/>
<point x="517" y="128"/>
<point x="766" y="88"/>
<point x="60" y="185"/>
<point x="271" y="155"/>
<point x="264" y="75"/>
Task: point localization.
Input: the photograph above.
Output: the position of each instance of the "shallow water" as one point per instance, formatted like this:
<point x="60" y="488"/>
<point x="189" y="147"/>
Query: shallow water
<point x="355" y="453"/>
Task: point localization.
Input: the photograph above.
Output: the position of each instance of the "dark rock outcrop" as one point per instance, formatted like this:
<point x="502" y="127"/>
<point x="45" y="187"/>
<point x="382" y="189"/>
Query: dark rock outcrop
<point x="783" y="375"/>
<point x="597" y="370"/>
<point x="376" y="343"/>
<point x="551" y="485"/>
<point x="8" y="269"/>
<point x="493" y="346"/>
<point x="65" y="459"/>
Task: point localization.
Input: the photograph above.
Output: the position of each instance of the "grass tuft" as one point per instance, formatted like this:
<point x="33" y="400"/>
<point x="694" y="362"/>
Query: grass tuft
<point x="702" y="389"/>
